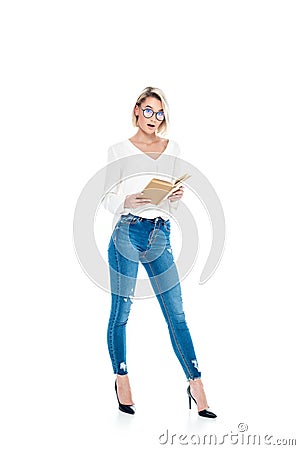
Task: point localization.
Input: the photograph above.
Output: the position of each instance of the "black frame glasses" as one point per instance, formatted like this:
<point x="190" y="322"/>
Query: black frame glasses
<point x="148" y="116"/>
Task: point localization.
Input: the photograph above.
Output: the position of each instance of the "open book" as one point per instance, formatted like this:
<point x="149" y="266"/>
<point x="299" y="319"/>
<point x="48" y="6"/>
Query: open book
<point x="157" y="190"/>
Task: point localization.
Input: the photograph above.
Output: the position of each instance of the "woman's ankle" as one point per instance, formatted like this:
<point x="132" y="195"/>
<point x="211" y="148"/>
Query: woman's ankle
<point x="198" y="393"/>
<point x="123" y="388"/>
<point x="122" y="379"/>
<point x="196" y="382"/>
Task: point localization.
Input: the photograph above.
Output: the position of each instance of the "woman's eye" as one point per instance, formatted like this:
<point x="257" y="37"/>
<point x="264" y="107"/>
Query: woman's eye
<point x="148" y="111"/>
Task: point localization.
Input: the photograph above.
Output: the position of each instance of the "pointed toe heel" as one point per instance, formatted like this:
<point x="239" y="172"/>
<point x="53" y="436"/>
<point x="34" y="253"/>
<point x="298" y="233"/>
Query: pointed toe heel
<point x="128" y="409"/>
<point x="208" y="414"/>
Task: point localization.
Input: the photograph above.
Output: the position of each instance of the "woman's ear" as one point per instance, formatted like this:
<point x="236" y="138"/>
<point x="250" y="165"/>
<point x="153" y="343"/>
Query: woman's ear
<point x="136" y="110"/>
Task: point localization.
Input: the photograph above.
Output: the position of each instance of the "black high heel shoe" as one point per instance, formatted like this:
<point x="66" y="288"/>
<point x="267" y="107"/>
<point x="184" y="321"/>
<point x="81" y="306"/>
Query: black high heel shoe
<point x="204" y="412"/>
<point x="129" y="409"/>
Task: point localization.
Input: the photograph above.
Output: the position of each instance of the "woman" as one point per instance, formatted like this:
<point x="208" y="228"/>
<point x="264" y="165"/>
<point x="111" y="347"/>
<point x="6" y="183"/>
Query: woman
<point x="142" y="234"/>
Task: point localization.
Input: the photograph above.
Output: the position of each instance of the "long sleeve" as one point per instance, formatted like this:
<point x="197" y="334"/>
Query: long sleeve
<point x="176" y="173"/>
<point x="114" y="196"/>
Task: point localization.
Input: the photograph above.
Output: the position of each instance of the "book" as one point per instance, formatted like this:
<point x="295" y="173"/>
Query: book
<point x="157" y="189"/>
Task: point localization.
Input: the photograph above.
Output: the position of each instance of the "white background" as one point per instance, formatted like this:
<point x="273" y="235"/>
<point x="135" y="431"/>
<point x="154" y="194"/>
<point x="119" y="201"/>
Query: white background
<point x="71" y="72"/>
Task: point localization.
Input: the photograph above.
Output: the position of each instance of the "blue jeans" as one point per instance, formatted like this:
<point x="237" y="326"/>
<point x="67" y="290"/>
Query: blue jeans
<point x="135" y="239"/>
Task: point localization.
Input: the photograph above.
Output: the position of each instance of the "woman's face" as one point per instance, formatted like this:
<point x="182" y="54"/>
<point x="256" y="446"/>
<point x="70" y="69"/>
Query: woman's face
<point x="149" y="125"/>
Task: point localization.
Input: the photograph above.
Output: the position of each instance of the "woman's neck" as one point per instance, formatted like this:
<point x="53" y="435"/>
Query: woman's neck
<point x="144" y="138"/>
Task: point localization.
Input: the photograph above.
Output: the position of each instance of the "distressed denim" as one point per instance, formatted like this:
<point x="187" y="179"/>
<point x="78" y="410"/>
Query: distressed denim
<point x="134" y="240"/>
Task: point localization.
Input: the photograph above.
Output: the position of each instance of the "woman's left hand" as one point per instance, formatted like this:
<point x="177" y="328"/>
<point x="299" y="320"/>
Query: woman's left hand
<point x="176" y="195"/>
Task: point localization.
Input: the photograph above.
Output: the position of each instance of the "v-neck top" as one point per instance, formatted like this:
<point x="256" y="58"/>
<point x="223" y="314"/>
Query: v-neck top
<point x="165" y="151"/>
<point x="162" y="167"/>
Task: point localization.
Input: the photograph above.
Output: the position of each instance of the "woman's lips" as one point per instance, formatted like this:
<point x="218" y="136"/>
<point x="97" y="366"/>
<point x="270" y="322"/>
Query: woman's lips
<point x="150" y="125"/>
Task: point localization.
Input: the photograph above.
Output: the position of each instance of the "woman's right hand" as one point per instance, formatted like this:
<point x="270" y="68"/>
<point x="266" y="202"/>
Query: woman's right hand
<point x="133" y="201"/>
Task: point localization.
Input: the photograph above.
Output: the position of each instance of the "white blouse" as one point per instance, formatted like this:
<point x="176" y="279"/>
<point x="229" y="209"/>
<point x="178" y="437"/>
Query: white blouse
<point x="131" y="175"/>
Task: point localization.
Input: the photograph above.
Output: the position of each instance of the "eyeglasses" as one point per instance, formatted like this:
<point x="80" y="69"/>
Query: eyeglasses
<point x="147" y="112"/>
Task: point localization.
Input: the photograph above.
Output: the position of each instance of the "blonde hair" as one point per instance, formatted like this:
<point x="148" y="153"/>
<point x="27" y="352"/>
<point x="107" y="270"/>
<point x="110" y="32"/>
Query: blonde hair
<point x="159" y="95"/>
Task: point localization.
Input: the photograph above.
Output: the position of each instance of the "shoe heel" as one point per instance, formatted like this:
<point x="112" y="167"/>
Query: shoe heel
<point x="190" y="397"/>
<point x="204" y="412"/>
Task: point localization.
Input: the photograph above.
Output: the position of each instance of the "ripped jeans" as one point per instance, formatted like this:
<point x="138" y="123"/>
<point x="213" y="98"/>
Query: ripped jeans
<point x="135" y="239"/>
